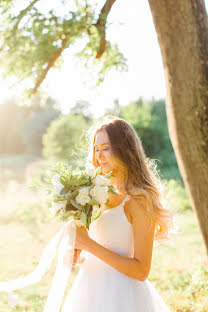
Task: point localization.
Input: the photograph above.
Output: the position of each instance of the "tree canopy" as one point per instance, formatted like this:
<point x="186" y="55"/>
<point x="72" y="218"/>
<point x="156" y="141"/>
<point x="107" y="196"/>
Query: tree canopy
<point x="34" y="37"/>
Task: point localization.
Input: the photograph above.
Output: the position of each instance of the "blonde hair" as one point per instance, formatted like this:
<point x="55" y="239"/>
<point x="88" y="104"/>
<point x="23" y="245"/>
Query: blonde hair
<point x="141" y="177"/>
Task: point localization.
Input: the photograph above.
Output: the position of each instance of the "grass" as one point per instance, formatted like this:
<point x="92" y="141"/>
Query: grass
<point x="179" y="270"/>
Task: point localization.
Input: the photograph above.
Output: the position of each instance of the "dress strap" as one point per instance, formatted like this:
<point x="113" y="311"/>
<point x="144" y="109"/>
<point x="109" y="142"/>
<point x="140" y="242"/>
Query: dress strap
<point x="125" y="200"/>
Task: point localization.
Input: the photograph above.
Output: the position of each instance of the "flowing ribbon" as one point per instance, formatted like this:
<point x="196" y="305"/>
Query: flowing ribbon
<point x="63" y="243"/>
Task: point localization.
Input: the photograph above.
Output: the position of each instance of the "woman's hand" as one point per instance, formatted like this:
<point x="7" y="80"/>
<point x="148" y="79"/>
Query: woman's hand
<point x="82" y="238"/>
<point x="76" y="259"/>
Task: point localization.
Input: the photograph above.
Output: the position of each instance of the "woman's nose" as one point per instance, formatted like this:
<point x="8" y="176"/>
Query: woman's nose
<point x="99" y="155"/>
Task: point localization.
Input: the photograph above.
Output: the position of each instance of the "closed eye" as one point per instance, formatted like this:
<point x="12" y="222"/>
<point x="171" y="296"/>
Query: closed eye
<point x="105" y="149"/>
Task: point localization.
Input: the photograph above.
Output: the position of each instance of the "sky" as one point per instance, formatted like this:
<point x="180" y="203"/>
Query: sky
<point x="132" y="28"/>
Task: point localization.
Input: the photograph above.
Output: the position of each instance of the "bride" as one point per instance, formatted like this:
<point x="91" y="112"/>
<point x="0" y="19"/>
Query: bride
<point x="117" y="250"/>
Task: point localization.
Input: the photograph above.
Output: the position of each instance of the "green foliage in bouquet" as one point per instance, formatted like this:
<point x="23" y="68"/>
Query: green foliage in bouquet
<point x="79" y="194"/>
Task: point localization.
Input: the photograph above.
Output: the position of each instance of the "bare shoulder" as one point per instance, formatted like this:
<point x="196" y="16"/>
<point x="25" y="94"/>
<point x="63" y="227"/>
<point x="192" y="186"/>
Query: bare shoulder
<point x="137" y="209"/>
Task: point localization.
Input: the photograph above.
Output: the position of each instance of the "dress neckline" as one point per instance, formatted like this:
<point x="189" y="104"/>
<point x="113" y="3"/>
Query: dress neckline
<point x="127" y="197"/>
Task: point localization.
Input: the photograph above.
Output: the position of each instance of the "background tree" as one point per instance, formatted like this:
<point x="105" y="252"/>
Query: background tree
<point x="34" y="128"/>
<point x="149" y="121"/>
<point x="64" y="139"/>
<point x="182" y="29"/>
<point x="82" y="108"/>
<point x="33" y="39"/>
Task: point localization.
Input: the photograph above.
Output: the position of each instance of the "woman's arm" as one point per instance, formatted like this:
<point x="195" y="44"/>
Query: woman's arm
<point x="139" y="266"/>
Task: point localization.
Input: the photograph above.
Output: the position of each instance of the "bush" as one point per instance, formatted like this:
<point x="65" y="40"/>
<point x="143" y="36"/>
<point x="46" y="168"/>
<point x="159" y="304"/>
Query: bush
<point x="34" y="128"/>
<point x="177" y="196"/>
<point x="64" y="136"/>
<point x="150" y="123"/>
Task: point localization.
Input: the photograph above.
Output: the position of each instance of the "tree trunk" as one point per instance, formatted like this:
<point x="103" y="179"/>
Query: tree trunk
<point x="182" y="30"/>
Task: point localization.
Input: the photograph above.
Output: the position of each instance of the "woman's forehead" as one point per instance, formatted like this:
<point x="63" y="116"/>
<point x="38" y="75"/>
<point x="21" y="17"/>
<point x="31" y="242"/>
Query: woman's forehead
<point x="101" y="138"/>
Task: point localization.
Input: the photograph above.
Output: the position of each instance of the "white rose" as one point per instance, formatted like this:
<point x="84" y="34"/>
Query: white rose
<point x="91" y="170"/>
<point x="100" y="193"/>
<point x="102" y="181"/>
<point x="55" y="180"/>
<point x="102" y="207"/>
<point x="57" y="185"/>
<point x="95" y="208"/>
<point x="57" y="206"/>
<point x="83" y="197"/>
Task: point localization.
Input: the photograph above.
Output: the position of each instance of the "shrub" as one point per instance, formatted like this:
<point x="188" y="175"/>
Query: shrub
<point x="177" y="196"/>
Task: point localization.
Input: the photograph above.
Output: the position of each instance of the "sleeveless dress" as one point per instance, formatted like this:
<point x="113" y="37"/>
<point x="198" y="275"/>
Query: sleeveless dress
<point x="99" y="287"/>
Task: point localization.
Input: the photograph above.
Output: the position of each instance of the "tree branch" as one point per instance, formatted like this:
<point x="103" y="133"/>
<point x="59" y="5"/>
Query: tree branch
<point x="101" y="24"/>
<point x="50" y="64"/>
<point x="23" y="13"/>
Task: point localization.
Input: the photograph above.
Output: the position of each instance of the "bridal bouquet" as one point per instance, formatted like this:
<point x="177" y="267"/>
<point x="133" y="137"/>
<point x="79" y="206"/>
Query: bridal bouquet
<point x="79" y="194"/>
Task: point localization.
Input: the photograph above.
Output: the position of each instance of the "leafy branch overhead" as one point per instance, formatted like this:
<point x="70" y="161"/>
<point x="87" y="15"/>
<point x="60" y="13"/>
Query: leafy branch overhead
<point x="34" y="38"/>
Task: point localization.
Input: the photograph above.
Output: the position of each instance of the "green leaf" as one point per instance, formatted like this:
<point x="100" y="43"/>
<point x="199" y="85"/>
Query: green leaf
<point x="87" y="209"/>
<point x="65" y="190"/>
<point x="74" y="194"/>
<point x="112" y="190"/>
<point x="75" y="204"/>
<point x="98" y="170"/>
<point x="59" y="198"/>
<point x="88" y="222"/>
<point x="36" y="182"/>
<point x="109" y="175"/>
<point x="93" y="202"/>
<point x="84" y="218"/>
<point x="96" y="215"/>
<point x="47" y="180"/>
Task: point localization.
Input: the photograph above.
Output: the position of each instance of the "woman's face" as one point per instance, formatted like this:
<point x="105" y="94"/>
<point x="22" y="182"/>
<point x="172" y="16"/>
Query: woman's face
<point x="103" y="153"/>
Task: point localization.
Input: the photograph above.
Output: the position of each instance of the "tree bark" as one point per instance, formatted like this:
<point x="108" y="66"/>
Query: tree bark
<point x="182" y="30"/>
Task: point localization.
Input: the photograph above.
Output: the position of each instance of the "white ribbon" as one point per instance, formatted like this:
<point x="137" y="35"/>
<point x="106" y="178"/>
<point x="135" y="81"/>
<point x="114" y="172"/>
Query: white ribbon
<point x="63" y="243"/>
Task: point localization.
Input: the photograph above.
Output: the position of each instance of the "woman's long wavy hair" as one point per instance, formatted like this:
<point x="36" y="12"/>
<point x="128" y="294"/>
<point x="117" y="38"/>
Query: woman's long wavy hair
<point x="141" y="177"/>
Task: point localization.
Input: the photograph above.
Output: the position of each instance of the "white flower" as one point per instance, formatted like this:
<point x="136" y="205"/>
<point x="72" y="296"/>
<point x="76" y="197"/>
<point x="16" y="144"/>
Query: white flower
<point x="102" y="207"/>
<point x="13" y="299"/>
<point x="56" y="182"/>
<point x="91" y="170"/>
<point x="83" y="197"/>
<point x="100" y="193"/>
<point x="102" y="181"/>
<point x="95" y="208"/>
<point x="57" y="206"/>
<point x="57" y="185"/>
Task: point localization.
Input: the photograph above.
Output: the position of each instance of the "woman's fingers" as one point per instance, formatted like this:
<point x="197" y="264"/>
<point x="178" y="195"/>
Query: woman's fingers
<point x="81" y="260"/>
<point x="77" y="253"/>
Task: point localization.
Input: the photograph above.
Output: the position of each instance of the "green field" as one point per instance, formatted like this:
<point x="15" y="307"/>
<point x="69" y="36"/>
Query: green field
<point x="179" y="270"/>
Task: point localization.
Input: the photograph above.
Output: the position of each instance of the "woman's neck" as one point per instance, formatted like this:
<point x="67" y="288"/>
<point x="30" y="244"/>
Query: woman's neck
<point x="118" y="182"/>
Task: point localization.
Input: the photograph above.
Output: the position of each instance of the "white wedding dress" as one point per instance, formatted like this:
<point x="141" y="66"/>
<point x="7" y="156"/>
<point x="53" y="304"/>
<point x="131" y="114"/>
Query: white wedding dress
<point x="100" y="288"/>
